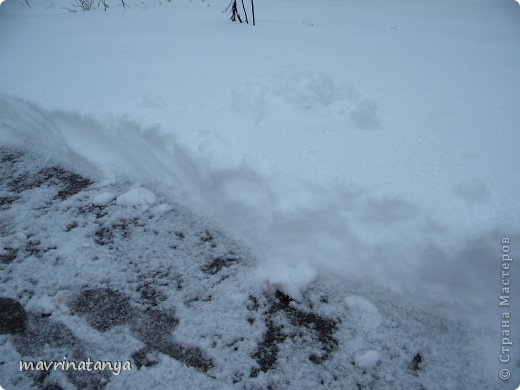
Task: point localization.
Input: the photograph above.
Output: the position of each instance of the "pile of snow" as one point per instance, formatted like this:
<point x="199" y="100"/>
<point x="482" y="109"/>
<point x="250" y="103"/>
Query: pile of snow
<point x="297" y="228"/>
<point x="139" y="197"/>
<point x="368" y="360"/>
<point x="103" y="198"/>
<point x="312" y="97"/>
<point x="372" y="141"/>
<point x="293" y="281"/>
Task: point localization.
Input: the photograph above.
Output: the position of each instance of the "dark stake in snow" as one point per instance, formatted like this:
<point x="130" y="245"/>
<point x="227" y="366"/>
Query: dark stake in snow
<point x="235" y="15"/>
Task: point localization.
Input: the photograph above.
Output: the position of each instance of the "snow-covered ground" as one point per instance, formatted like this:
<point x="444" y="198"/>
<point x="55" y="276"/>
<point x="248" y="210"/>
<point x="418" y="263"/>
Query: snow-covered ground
<point x="362" y="148"/>
<point x="113" y="270"/>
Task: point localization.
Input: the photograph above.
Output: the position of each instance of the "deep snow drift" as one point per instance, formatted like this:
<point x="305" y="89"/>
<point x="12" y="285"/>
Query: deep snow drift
<point x="374" y="140"/>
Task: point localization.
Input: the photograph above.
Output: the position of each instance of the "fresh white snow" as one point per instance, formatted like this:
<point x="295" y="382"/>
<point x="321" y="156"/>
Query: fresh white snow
<point x="138" y="197"/>
<point x="368" y="360"/>
<point x="367" y="140"/>
<point x="364" y="313"/>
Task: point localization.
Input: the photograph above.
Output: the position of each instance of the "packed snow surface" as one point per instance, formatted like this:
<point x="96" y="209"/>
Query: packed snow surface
<point x="376" y="141"/>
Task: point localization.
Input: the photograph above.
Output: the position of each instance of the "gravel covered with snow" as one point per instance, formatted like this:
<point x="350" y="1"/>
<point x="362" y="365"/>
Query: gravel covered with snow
<point x="145" y="280"/>
<point x="318" y="200"/>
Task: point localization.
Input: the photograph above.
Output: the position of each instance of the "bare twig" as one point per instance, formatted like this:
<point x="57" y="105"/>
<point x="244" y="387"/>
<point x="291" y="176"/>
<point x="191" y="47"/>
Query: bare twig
<point x="234" y="12"/>
<point x="253" y="10"/>
<point x="85" y="5"/>
<point x="229" y="5"/>
<point x="245" y="13"/>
